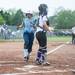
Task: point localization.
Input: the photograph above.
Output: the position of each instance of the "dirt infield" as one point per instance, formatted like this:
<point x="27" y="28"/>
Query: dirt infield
<point x="60" y="55"/>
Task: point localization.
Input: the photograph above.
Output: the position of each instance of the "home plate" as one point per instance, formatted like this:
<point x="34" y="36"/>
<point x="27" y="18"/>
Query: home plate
<point x="30" y="66"/>
<point x="27" y="67"/>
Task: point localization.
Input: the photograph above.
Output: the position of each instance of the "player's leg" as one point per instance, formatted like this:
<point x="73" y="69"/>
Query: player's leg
<point x="41" y="54"/>
<point x="44" y="49"/>
<point x="31" y="39"/>
<point x="74" y="38"/>
<point x="38" y="37"/>
<point x="26" y="45"/>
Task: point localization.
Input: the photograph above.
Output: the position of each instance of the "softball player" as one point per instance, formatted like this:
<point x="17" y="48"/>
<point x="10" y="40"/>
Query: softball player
<point x="28" y="34"/>
<point x="41" y="35"/>
<point x="73" y="35"/>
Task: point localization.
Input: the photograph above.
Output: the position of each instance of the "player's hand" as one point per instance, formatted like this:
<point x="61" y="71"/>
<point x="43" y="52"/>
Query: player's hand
<point x="51" y="29"/>
<point x="19" y="26"/>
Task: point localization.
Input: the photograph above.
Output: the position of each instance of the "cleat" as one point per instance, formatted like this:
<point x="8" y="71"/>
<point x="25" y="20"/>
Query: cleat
<point x="46" y="64"/>
<point x="38" y="62"/>
<point x="26" y="59"/>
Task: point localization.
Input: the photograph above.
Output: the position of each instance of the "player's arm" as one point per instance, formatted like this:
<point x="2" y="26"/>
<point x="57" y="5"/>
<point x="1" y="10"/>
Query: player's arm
<point x="20" y="26"/>
<point x="46" y="24"/>
<point x="46" y="27"/>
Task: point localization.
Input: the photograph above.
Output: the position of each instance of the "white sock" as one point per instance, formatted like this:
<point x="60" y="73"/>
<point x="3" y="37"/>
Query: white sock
<point x="25" y="52"/>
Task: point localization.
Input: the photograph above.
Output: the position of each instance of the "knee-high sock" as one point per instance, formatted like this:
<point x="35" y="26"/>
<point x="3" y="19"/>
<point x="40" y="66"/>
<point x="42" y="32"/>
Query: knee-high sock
<point x="25" y="52"/>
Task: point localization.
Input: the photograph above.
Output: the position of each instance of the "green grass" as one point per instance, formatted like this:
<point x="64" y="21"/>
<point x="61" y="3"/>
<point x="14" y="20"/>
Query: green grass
<point x="50" y="38"/>
<point x="11" y="40"/>
<point x="59" y="38"/>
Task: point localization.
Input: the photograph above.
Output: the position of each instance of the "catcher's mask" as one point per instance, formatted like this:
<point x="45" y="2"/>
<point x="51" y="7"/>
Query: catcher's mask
<point x="43" y="9"/>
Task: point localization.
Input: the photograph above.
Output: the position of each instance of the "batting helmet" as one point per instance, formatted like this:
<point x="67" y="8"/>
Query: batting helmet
<point x="29" y="12"/>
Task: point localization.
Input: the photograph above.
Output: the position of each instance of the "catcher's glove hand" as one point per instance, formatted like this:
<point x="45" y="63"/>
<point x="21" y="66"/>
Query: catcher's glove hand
<point x="19" y="26"/>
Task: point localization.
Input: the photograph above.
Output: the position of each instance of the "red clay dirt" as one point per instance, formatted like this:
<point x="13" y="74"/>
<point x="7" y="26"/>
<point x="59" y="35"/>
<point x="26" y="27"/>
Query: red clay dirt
<point x="62" y="61"/>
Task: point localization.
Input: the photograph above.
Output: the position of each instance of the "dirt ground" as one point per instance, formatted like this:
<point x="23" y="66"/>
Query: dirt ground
<point x="60" y="55"/>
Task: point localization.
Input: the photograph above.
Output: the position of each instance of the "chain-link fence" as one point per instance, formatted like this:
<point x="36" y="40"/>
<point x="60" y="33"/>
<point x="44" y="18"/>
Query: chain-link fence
<point x="60" y="32"/>
<point x="12" y="33"/>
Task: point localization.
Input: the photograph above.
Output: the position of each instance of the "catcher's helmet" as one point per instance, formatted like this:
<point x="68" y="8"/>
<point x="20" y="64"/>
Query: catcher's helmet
<point x="43" y="9"/>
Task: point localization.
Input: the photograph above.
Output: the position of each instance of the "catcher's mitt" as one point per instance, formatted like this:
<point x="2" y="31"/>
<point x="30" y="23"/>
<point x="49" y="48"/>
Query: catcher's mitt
<point x="19" y="26"/>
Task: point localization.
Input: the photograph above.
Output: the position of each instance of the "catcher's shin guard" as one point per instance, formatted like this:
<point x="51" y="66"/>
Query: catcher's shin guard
<point x="38" y="55"/>
<point x="42" y="58"/>
<point x="41" y="55"/>
<point x="38" y="58"/>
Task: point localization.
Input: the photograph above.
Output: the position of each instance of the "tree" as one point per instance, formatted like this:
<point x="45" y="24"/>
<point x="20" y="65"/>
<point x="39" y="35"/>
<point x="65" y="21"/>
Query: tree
<point x="64" y="19"/>
<point x="18" y="18"/>
<point x="1" y="20"/>
<point x="6" y="16"/>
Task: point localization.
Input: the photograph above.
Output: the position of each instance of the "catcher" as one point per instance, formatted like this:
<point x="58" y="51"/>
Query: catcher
<point x="41" y="58"/>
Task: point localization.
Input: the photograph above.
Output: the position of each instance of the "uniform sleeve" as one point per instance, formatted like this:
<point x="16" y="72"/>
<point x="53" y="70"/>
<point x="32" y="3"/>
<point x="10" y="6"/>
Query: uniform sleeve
<point x="42" y="21"/>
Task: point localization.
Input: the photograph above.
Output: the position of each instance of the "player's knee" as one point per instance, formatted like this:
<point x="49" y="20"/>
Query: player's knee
<point x="43" y="50"/>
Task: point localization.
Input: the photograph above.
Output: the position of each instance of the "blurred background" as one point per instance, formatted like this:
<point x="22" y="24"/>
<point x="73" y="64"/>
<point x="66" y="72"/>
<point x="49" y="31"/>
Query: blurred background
<point x="61" y="15"/>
